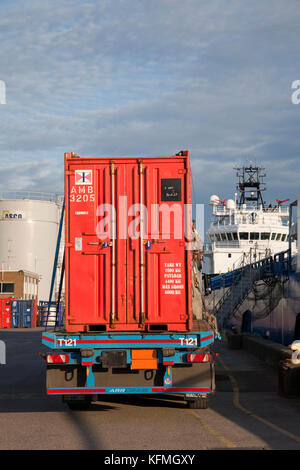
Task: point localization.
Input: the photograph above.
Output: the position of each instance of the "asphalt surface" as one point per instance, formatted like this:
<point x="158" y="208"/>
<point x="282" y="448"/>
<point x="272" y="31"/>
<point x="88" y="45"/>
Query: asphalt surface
<point x="246" y="412"/>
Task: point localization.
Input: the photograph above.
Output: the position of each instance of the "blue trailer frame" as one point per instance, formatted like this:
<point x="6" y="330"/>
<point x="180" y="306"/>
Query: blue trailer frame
<point x="173" y="349"/>
<point x="85" y="350"/>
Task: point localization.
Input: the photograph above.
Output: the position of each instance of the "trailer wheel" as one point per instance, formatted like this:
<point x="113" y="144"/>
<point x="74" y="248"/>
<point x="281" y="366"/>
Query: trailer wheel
<point x="200" y="403"/>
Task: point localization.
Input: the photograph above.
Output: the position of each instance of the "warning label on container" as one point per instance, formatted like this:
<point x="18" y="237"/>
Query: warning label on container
<point x="172" y="279"/>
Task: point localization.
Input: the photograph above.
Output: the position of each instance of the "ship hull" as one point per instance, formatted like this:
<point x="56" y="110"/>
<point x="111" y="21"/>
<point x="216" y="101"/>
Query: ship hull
<point x="274" y="310"/>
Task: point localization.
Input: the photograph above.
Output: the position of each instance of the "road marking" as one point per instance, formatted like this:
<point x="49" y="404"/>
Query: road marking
<point x="211" y="430"/>
<point x="236" y="402"/>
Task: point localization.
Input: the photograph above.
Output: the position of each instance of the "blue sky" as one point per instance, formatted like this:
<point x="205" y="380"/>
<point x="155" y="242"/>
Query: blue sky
<point x="151" y="77"/>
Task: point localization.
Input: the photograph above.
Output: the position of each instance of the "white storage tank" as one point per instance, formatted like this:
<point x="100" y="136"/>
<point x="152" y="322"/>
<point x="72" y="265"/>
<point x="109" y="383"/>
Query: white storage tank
<point x="29" y="224"/>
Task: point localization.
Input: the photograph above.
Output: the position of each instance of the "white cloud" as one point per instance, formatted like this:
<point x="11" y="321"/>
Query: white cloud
<point x="149" y="78"/>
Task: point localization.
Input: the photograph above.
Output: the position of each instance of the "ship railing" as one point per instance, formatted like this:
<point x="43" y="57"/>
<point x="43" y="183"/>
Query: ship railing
<point x="237" y="292"/>
<point x="209" y="247"/>
<point x="282" y="210"/>
<point x="273" y="265"/>
<point x="221" y="244"/>
<point x="259" y="244"/>
<point x="277" y="264"/>
<point x="249" y="209"/>
<point x="240" y="282"/>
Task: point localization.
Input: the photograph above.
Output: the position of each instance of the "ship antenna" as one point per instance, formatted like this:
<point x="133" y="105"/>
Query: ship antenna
<point x="251" y="184"/>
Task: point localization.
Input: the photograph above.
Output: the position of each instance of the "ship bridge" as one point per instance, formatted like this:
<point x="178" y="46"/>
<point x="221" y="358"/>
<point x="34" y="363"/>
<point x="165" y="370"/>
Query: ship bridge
<point x="245" y="229"/>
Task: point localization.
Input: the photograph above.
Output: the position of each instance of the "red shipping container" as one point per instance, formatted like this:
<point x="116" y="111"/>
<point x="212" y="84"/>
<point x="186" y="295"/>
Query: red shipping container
<point x="34" y="314"/>
<point x="5" y="313"/>
<point x="117" y="279"/>
<point x="1" y="314"/>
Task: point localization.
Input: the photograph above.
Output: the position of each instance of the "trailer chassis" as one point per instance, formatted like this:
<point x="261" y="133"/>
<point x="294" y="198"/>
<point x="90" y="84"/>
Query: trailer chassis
<point x="85" y="367"/>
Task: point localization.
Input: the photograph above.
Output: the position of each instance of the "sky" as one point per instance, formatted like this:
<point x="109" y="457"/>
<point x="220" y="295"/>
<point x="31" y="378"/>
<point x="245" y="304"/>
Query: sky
<point x="150" y="78"/>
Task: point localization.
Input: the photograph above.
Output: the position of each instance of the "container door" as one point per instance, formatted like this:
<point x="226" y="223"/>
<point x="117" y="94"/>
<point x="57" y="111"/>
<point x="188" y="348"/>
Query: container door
<point x="115" y="277"/>
<point x="15" y="314"/>
<point x="34" y="314"/>
<point x="21" y="305"/>
<point x="6" y="309"/>
<point x="1" y="314"/>
<point x="95" y="284"/>
<point x="156" y="262"/>
<point x="27" y="313"/>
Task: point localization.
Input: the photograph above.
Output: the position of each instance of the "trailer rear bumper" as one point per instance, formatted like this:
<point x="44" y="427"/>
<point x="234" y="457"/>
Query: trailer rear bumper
<point x="65" y="379"/>
<point x="85" y="365"/>
<point x="130" y="390"/>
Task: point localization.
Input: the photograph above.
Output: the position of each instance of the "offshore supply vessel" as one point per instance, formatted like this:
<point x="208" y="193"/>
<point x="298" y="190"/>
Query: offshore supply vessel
<point x="252" y="252"/>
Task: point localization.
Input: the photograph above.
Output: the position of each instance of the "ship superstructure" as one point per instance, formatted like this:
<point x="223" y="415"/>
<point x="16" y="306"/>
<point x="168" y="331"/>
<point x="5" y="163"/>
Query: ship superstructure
<point x="245" y="229"/>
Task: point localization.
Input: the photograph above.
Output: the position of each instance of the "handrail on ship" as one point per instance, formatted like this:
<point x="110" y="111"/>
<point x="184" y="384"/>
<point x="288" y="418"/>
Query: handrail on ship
<point x="276" y="264"/>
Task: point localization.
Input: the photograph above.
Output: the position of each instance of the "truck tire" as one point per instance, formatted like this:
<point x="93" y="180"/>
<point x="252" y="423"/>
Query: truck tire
<point x="200" y="403"/>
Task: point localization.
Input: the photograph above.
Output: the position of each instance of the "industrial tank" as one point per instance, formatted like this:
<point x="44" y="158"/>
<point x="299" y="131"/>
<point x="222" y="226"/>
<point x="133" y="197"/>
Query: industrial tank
<point x="29" y="225"/>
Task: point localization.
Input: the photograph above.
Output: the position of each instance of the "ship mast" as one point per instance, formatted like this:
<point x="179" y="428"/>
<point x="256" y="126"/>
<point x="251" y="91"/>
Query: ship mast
<point x="251" y="185"/>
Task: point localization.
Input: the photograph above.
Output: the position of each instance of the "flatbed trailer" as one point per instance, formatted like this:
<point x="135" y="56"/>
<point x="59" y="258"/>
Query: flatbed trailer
<point x="83" y="367"/>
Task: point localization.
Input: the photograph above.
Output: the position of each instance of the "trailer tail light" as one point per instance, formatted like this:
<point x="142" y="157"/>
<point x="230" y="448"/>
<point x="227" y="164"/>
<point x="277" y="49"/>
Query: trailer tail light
<point x="198" y="357"/>
<point x="58" y="358"/>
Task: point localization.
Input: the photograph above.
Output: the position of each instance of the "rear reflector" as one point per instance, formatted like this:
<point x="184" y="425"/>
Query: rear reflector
<point x="58" y="358"/>
<point x="198" y="357"/>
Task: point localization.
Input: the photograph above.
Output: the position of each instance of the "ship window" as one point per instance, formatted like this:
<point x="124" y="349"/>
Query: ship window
<point x="223" y="235"/>
<point x="254" y="236"/>
<point x="244" y="235"/>
<point x="229" y="236"/>
<point x="229" y="255"/>
<point x="218" y="237"/>
<point x="278" y="236"/>
<point x="235" y="236"/>
<point x="283" y="237"/>
<point x="273" y="236"/>
<point x="265" y="236"/>
<point x="7" y="288"/>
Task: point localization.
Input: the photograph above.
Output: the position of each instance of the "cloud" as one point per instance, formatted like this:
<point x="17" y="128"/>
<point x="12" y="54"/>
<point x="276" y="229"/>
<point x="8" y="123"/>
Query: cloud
<point x="31" y="176"/>
<point x="135" y="77"/>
